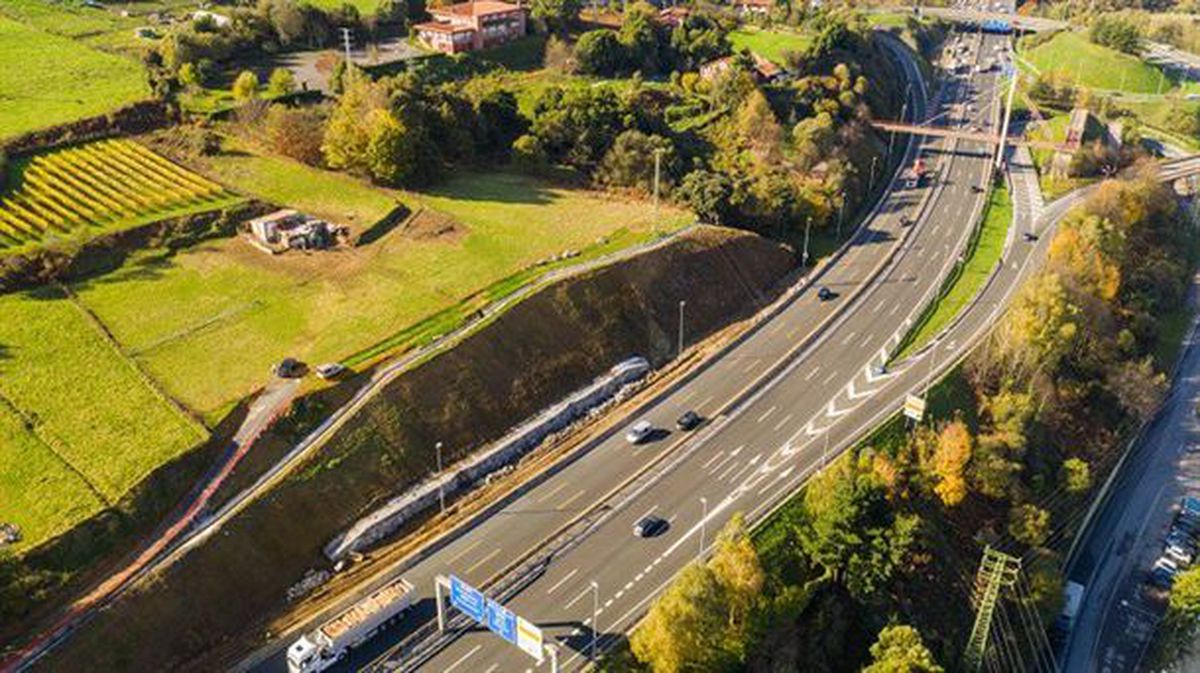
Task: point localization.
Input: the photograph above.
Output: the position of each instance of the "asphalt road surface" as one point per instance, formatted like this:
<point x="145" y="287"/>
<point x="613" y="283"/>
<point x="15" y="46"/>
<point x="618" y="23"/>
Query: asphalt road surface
<point x="746" y="457"/>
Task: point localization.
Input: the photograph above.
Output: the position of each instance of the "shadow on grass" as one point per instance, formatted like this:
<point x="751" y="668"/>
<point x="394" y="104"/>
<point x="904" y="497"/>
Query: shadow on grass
<point x="495" y="187"/>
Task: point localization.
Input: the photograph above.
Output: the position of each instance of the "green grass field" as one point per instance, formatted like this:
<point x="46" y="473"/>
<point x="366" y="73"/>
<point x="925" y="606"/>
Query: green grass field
<point x="102" y="428"/>
<point x="363" y="6"/>
<point x="1096" y="67"/>
<point x="772" y="45"/>
<point x="83" y="190"/>
<point x="336" y="197"/>
<point x="208" y="323"/>
<point x="59" y="80"/>
<point x="971" y="276"/>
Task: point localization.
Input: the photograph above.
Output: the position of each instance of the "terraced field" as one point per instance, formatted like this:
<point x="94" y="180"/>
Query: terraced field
<point x="100" y="186"/>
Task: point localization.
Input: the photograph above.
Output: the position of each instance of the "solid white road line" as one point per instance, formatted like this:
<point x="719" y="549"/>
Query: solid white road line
<point x="750" y="367"/>
<point x="576" y="599"/>
<point x="562" y="581"/>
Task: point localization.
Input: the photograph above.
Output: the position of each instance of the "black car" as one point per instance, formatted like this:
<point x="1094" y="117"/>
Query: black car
<point x="688" y="420"/>
<point x="1029" y="236"/>
<point x="824" y="293"/>
<point x="289" y="368"/>
<point x="649" y="526"/>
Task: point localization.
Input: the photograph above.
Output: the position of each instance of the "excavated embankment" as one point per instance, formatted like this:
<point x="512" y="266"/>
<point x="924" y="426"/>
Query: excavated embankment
<point x="539" y="351"/>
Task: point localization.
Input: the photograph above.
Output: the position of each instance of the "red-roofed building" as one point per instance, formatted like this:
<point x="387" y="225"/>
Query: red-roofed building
<point x="674" y="16"/>
<point x="753" y="7"/>
<point x="469" y="26"/>
<point x="764" y="70"/>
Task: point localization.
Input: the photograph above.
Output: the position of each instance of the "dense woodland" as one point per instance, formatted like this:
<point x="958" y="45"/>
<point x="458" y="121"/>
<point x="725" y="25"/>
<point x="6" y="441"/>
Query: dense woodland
<point x="883" y="546"/>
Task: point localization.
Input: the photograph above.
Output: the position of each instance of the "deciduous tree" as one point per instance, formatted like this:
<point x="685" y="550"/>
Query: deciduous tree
<point x="900" y="649"/>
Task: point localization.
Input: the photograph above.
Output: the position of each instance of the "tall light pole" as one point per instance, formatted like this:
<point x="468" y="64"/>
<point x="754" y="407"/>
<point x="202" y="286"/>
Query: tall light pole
<point x="703" y="523"/>
<point x="595" y="616"/>
<point x="441" y="492"/>
<point x="807" y="226"/>
<point x="871" y="184"/>
<point x="682" y="303"/>
<point x="658" y="152"/>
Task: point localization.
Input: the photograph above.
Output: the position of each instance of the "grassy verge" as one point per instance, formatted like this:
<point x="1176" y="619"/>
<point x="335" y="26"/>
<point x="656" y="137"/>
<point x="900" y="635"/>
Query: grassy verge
<point x="967" y="278"/>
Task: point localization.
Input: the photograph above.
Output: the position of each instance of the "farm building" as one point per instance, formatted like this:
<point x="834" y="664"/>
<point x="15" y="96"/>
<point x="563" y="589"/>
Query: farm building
<point x="471" y="26"/>
<point x="290" y="230"/>
<point x="764" y="70"/>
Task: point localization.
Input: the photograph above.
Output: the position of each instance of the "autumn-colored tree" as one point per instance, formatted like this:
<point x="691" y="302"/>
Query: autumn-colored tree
<point x="685" y="625"/>
<point x="348" y="131"/>
<point x="736" y="566"/>
<point x="758" y="128"/>
<point x="245" y="87"/>
<point x="900" y="649"/>
<point x="295" y="132"/>
<point x="1076" y="475"/>
<point x="954" y="449"/>
<point x="1029" y="524"/>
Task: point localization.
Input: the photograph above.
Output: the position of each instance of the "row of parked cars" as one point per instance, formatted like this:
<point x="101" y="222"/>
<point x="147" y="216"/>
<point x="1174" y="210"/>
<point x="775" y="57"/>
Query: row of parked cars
<point x="1179" y="549"/>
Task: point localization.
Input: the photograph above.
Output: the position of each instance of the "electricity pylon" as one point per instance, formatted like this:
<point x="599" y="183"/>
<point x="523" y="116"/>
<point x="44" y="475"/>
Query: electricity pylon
<point x="997" y="571"/>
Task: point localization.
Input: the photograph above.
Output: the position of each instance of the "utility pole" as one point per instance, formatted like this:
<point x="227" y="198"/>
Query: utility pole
<point x="807" y="226"/>
<point x="997" y="571"/>
<point x="595" y="617"/>
<point x="658" y="152"/>
<point x="441" y="492"/>
<point x="871" y="182"/>
<point x="1012" y="90"/>
<point x="346" y="38"/>
<point x="682" y="303"/>
<point x="841" y="214"/>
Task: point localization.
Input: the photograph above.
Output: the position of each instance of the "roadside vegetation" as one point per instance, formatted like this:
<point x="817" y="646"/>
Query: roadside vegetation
<point x="968" y="278"/>
<point x="1014" y="443"/>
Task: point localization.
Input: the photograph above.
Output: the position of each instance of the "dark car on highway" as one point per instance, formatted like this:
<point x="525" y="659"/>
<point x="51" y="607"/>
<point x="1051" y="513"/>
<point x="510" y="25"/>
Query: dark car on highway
<point x="649" y="526"/>
<point x="688" y="420"/>
<point x="824" y="293"/>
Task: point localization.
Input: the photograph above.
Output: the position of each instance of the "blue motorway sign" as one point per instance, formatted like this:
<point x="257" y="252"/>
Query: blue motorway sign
<point x="467" y="598"/>
<point x="501" y="621"/>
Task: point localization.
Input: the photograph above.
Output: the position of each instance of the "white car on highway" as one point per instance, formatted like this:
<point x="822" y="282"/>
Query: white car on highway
<point x="640" y="432"/>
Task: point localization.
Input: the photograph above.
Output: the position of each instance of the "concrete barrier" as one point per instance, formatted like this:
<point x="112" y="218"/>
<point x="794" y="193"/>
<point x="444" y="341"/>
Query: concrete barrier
<point x="519" y="441"/>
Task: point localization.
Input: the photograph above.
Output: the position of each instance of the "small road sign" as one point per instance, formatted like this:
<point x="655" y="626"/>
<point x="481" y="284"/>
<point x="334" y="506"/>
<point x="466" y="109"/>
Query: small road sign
<point x="529" y="639"/>
<point x="914" y="407"/>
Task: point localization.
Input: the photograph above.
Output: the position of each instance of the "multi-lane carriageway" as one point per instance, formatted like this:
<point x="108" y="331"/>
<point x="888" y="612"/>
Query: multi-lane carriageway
<point x="804" y="382"/>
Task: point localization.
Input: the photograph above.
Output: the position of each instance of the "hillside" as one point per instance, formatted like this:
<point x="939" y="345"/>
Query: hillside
<point x="545" y="347"/>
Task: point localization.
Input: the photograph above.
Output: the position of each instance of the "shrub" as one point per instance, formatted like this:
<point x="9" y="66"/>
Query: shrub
<point x="295" y="132"/>
<point x="245" y="87"/>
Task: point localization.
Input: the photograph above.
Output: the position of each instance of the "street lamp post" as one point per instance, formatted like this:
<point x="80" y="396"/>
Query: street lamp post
<point x="595" y="616"/>
<point x="682" y="303"/>
<point x="871" y="183"/>
<point x="703" y="523"/>
<point x="807" y="226"/>
<point x="441" y="492"/>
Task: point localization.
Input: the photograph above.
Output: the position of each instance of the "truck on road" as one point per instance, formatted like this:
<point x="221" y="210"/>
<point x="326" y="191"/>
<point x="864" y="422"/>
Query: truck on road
<point x="1072" y="601"/>
<point x="332" y="641"/>
<point x="914" y="176"/>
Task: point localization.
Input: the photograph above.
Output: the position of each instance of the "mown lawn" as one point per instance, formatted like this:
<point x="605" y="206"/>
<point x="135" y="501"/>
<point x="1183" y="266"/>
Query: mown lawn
<point x="364" y="7"/>
<point x="971" y="276"/>
<point x="90" y="404"/>
<point x="209" y="322"/>
<point x="1096" y="67"/>
<point x="48" y="79"/>
<point x="772" y="45"/>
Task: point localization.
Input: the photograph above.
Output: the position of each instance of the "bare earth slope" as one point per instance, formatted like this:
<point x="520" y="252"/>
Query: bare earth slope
<point x="539" y="351"/>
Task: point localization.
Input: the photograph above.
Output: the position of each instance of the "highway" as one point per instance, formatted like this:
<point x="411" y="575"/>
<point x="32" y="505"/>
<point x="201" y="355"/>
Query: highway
<point x="771" y="414"/>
